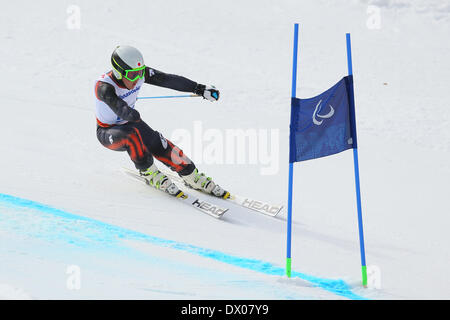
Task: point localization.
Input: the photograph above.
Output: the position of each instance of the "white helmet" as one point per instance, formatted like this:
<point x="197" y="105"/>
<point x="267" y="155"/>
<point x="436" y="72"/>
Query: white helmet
<point x="127" y="58"/>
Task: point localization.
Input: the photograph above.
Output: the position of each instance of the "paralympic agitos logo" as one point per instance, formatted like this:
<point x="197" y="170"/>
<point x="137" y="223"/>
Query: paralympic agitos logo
<point x="317" y="115"/>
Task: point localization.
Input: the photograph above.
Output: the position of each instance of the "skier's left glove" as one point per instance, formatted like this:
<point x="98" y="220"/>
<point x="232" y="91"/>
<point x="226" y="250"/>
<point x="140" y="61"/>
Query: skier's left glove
<point x="207" y="92"/>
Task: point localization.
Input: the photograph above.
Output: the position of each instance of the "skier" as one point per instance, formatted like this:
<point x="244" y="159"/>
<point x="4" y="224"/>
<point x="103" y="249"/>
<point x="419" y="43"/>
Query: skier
<point x="120" y="127"/>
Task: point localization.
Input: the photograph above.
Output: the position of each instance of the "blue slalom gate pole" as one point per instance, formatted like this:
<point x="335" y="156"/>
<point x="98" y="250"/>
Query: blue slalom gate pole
<point x="356" y="166"/>
<point x="291" y="165"/>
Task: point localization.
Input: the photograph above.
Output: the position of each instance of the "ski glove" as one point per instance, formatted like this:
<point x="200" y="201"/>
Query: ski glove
<point x="207" y="92"/>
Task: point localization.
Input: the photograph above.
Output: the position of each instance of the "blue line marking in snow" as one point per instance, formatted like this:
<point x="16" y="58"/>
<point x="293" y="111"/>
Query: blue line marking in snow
<point x="90" y="233"/>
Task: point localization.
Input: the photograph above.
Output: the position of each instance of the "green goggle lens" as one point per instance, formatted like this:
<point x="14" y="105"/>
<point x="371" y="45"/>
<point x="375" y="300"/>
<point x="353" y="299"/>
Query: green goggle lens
<point x="134" y="74"/>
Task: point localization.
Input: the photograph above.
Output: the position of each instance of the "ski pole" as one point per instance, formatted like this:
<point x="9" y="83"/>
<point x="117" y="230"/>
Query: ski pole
<point x="179" y="96"/>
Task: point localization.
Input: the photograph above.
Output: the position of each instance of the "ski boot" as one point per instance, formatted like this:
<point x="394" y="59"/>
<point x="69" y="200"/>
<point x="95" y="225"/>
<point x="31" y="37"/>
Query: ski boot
<point x="200" y="181"/>
<point x="157" y="179"/>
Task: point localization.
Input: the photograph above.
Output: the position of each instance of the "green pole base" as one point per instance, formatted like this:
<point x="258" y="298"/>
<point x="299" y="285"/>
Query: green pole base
<point x="288" y="267"/>
<point x="364" y="276"/>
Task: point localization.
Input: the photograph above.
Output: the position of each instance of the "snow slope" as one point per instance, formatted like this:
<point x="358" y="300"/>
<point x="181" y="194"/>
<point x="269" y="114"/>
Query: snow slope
<point x="133" y="243"/>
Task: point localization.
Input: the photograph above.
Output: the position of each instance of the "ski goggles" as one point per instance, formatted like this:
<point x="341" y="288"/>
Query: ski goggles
<point x="134" y="74"/>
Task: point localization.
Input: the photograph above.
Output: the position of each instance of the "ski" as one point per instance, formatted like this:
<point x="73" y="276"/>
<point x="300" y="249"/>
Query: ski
<point x="197" y="203"/>
<point x="246" y="202"/>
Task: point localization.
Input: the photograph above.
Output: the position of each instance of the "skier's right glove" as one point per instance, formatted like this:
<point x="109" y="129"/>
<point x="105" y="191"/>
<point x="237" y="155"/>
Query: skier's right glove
<point x="207" y="92"/>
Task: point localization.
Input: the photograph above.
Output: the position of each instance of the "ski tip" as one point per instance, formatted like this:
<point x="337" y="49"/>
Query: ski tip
<point x="279" y="210"/>
<point x="221" y="215"/>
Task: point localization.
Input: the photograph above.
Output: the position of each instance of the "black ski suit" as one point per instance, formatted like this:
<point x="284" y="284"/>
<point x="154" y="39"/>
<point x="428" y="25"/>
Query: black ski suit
<point x="137" y="138"/>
